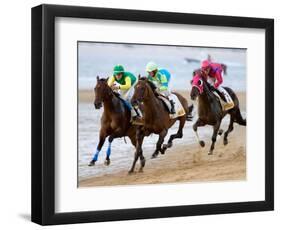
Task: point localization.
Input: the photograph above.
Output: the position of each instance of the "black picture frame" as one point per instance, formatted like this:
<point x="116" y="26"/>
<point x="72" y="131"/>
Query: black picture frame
<point x="43" y="114"/>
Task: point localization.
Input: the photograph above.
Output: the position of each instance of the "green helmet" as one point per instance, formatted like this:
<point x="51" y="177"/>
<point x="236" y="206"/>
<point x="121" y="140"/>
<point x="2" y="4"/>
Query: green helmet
<point x="151" y="66"/>
<point x="118" y="69"/>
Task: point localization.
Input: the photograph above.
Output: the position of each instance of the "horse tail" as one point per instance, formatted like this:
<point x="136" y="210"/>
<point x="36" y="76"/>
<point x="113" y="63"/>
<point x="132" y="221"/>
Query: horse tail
<point x="239" y="119"/>
<point x="189" y="114"/>
<point x="236" y="110"/>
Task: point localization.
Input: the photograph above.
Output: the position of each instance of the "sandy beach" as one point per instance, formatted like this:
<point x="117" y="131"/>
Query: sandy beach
<point x="184" y="163"/>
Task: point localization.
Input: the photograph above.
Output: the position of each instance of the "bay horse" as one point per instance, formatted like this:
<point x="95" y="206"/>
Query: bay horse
<point x="210" y="111"/>
<point x="115" y="120"/>
<point x="156" y="118"/>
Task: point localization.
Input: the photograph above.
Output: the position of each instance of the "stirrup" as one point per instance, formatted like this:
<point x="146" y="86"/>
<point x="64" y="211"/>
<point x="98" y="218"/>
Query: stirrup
<point x="136" y="120"/>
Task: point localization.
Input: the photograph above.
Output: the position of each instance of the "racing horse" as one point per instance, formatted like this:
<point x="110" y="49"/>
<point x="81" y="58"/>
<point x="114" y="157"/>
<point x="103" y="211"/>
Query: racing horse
<point x="156" y="118"/>
<point x="115" y="120"/>
<point x="210" y="111"/>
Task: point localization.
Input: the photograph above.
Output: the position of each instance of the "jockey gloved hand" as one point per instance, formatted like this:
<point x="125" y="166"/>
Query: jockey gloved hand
<point x="115" y="87"/>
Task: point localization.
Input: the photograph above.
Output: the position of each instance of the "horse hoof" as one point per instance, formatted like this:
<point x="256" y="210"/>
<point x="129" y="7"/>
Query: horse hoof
<point x="162" y="151"/>
<point x="107" y="162"/>
<point x="142" y="163"/>
<point x="225" y="142"/>
<point x="210" y="153"/>
<point x="202" y="144"/>
<point x="131" y="172"/>
<point x="154" y="156"/>
<point x="141" y="170"/>
<point x="92" y="163"/>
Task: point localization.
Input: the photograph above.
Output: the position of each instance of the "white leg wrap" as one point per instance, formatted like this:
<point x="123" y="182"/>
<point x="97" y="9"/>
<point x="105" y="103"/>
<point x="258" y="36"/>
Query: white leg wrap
<point x="197" y="136"/>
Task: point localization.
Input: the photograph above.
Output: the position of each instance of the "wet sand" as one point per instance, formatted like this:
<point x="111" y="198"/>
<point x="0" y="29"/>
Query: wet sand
<point x="188" y="163"/>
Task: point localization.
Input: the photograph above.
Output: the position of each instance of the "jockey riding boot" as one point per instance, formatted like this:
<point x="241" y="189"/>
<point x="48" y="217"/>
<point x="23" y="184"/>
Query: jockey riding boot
<point x="172" y="107"/>
<point x="229" y="102"/>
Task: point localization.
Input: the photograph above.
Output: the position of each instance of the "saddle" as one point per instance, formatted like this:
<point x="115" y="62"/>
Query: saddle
<point x="220" y="98"/>
<point x="177" y="104"/>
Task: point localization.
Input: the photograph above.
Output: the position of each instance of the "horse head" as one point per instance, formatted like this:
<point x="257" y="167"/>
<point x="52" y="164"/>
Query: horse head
<point x="197" y="83"/>
<point x="102" y="92"/>
<point x="142" y="89"/>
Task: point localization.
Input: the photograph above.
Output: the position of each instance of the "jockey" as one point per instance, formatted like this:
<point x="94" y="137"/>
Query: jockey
<point x="160" y="78"/>
<point x="124" y="82"/>
<point x="214" y="73"/>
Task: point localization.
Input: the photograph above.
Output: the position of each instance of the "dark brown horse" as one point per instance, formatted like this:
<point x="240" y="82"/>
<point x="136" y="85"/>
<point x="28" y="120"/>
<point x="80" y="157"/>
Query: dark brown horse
<point x="210" y="111"/>
<point x="115" y="120"/>
<point x="156" y="118"/>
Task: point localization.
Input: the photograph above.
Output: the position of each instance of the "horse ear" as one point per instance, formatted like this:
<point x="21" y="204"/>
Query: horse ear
<point x="98" y="78"/>
<point x="139" y="77"/>
<point x="107" y="79"/>
<point x="191" y="81"/>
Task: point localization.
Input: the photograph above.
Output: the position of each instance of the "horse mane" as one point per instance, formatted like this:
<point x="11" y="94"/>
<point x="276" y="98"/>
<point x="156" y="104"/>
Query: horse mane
<point x="104" y="80"/>
<point x="151" y="85"/>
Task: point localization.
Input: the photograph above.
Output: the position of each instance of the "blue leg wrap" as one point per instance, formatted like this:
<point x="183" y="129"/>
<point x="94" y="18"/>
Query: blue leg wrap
<point x="96" y="155"/>
<point x="108" y="151"/>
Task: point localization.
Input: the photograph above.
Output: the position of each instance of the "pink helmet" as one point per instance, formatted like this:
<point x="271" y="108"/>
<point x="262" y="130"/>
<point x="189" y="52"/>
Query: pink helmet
<point x="205" y="64"/>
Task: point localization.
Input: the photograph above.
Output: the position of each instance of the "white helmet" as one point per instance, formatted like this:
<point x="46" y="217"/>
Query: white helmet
<point x="151" y="66"/>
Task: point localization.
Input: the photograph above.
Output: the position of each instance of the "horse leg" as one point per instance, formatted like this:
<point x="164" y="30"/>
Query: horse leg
<point x="159" y="143"/>
<point x="179" y="134"/>
<point x="116" y="133"/>
<point x="230" y="128"/>
<point x="142" y="161"/>
<point x="197" y="124"/>
<point x="108" y="151"/>
<point x="216" y="128"/>
<point x="99" y="147"/>
<point x="138" y="153"/>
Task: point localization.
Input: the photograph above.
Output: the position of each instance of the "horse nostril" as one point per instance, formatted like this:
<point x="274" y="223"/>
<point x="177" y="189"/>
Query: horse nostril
<point x="97" y="105"/>
<point x="192" y="96"/>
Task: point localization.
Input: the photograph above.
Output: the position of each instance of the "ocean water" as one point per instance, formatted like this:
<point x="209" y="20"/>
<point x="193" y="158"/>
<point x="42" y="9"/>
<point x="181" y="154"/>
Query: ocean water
<point x="99" y="59"/>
